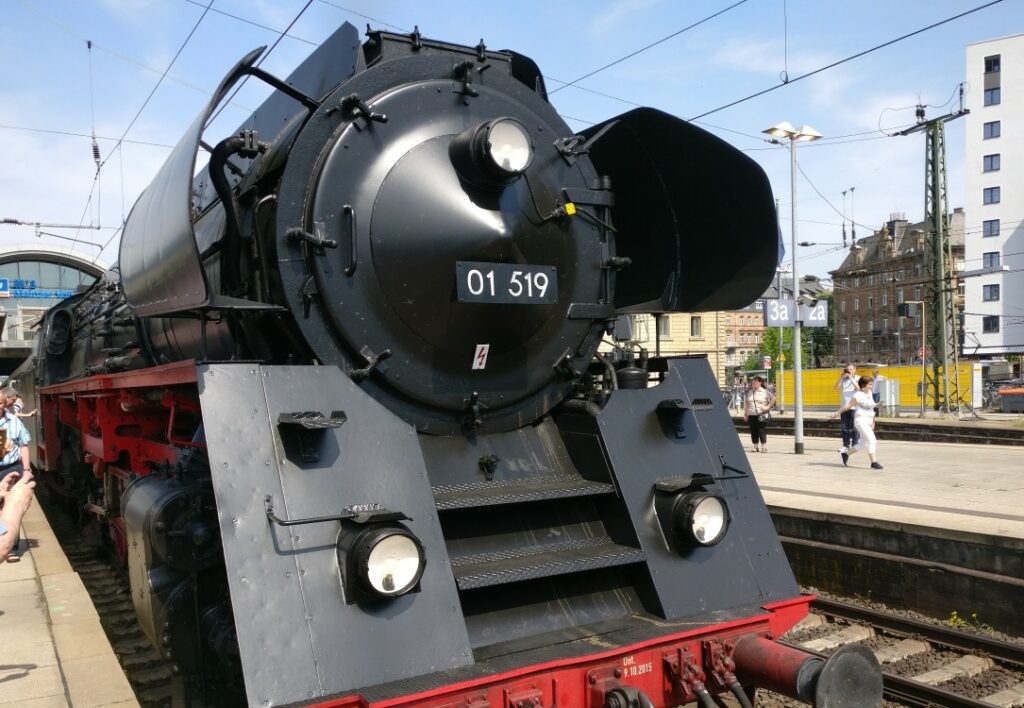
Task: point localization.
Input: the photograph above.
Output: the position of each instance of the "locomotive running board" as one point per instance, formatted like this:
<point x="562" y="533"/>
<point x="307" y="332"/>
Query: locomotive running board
<point x="298" y="638"/>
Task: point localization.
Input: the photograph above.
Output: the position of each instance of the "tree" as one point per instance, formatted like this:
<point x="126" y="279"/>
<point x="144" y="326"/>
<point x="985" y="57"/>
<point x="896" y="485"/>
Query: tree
<point x="770" y="347"/>
<point x="823" y="337"/>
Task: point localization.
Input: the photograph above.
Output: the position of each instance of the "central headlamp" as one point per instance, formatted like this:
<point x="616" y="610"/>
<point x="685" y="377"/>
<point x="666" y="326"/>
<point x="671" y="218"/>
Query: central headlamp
<point x="492" y="154"/>
<point x="700" y="517"/>
<point x="688" y="514"/>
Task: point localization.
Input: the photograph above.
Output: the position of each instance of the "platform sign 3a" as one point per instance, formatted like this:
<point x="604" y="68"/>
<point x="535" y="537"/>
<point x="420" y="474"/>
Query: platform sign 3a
<point x="779" y="313"/>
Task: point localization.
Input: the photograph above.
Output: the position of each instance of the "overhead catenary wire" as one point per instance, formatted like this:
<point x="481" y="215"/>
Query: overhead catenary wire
<point x="117" y="145"/>
<point x="825" y="199"/>
<point x="122" y="57"/>
<point x="82" y="135"/>
<point x="92" y="108"/>
<point x="260" y="61"/>
<point x="649" y="46"/>
<point x="162" y="76"/>
<point x="365" y="17"/>
<point x="846" y="59"/>
<point x="255" y="24"/>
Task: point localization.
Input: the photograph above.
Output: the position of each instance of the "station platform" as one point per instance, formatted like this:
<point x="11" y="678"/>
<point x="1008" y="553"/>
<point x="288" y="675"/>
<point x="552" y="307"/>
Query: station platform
<point x="938" y="531"/>
<point x="54" y="651"/>
<point x="976" y="489"/>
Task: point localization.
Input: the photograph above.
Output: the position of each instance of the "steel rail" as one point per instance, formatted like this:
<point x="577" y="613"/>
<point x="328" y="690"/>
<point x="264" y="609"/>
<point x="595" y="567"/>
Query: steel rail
<point x="1006" y="652"/>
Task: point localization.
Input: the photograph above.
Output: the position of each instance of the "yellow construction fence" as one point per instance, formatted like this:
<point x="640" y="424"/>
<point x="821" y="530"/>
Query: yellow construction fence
<point x="819" y="384"/>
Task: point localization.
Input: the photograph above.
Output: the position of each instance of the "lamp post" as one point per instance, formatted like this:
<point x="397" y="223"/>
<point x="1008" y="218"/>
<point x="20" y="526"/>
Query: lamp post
<point x="794" y="135"/>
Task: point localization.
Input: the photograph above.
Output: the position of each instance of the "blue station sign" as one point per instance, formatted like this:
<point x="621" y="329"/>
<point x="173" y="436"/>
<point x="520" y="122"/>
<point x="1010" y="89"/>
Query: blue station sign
<point x="26" y="288"/>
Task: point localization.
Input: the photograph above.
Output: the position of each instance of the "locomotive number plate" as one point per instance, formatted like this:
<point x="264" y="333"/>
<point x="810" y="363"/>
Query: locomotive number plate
<point x="506" y="283"/>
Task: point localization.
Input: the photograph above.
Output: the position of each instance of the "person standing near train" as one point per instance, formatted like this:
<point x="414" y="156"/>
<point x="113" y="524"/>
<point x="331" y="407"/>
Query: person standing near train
<point x="847" y="386"/>
<point x="757" y="413"/>
<point x="862" y="405"/>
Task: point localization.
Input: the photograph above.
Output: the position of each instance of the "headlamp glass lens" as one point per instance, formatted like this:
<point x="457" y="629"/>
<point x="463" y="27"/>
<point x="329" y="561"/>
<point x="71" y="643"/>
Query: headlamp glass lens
<point x="393" y="564"/>
<point x="708" y="520"/>
<point x="509" y="146"/>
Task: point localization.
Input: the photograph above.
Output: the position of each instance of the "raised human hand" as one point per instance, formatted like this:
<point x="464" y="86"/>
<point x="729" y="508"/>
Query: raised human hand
<point x="19" y="497"/>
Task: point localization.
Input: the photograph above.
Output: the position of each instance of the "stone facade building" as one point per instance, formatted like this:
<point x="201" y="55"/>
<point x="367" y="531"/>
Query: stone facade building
<point x="881" y="272"/>
<point x="681" y="333"/>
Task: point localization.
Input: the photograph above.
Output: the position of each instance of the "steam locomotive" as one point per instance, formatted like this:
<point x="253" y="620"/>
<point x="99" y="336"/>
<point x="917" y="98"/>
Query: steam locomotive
<point x="341" y="412"/>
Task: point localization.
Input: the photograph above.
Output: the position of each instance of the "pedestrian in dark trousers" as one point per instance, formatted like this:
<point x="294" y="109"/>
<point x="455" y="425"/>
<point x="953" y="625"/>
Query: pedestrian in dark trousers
<point x="756" y="412"/>
<point x="847" y="386"/>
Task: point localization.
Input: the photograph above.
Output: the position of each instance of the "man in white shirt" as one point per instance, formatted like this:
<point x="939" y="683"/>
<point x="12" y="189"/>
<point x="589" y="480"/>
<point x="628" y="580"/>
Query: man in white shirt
<point x="847" y="386"/>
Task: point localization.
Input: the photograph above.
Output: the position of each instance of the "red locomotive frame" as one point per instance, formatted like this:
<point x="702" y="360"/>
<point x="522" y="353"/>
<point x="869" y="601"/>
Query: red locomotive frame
<point x="127" y="425"/>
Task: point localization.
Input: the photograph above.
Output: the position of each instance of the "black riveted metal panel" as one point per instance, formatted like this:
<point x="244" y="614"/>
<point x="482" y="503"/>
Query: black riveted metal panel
<point x="748" y="565"/>
<point x="299" y="639"/>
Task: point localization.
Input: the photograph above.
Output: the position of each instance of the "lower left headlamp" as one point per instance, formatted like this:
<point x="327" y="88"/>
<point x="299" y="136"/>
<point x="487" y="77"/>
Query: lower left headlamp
<point x="380" y="561"/>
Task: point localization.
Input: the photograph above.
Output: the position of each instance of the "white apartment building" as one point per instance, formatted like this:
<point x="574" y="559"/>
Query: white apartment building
<point x="994" y="199"/>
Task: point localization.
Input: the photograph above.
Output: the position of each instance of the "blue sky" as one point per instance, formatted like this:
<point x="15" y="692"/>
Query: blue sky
<point x="45" y="84"/>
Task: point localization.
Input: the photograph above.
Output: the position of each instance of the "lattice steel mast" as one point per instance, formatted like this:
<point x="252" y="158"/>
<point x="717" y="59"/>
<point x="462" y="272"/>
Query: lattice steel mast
<point x="939" y="293"/>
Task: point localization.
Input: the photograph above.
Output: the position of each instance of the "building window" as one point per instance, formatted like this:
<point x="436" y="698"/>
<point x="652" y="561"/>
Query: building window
<point x="871" y="325"/>
<point x="990" y="163"/>
<point x="885" y="324"/>
<point x="990" y="195"/>
<point x="856" y="304"/>
<point x="991" y="130"/>
<point x="842" y="305"/>
<point x="989" y="293"/>
<point x="728" y="320"/>
<point x="842" y="327"/>
<point x="885" y="298"/>
<point x="990" y="227"/>
<point x="992" y="96"/>
<point x="899" y="296"/>
<point x="917" y="292"/>
<point x="990" y="259"/>
<point x="992" y="64"/>
<point x="664" y="329"/>
<point x="990" y="324"/>
<point x="856" y="326"/>
<point x="871" y="301"/>
<point x="917" y="319"/>
<point x="695" y="326"/>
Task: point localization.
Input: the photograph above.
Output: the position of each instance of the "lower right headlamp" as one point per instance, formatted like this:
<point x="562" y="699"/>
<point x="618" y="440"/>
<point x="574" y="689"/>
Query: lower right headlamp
<point x="699" y="518"/>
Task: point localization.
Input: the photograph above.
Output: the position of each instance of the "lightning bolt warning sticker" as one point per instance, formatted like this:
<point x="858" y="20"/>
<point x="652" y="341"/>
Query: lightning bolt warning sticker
<point x="480" y="358"/>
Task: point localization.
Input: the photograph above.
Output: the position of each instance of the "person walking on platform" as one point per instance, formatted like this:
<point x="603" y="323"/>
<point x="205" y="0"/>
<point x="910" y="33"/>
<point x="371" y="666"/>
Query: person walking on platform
<point x="847" y="386"/>
<point x="862" y="405"/>
<point x="757" y="413"/>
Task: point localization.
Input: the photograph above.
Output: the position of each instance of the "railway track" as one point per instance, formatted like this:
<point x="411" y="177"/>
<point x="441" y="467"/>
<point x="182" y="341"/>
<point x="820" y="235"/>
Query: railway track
<point x="150" y="675"/>
<point x="924" y="664"/>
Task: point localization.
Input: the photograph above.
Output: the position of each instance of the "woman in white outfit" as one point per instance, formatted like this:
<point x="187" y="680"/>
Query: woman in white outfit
<point x="863" y="405"/>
